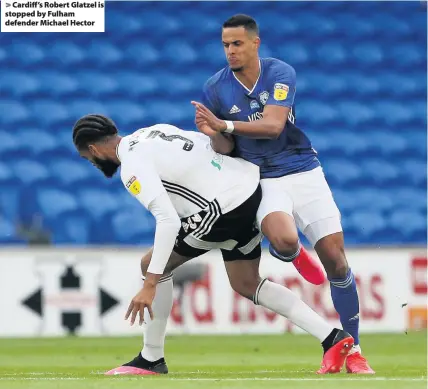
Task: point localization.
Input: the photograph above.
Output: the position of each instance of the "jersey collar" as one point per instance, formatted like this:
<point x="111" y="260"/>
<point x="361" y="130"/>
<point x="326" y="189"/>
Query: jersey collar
<point x="255" y="84"/>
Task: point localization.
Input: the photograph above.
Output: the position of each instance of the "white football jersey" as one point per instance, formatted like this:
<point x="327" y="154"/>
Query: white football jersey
<point x="182" y="163"/>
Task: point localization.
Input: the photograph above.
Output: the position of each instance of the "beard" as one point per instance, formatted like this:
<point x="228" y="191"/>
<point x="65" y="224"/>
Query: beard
<point x="109" y="168"/>
<point x="237" y="69"/>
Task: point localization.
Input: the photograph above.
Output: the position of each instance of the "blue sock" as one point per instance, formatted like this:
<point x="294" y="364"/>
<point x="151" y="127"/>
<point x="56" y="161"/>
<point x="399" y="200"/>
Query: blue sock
<point x="345" y="299"/>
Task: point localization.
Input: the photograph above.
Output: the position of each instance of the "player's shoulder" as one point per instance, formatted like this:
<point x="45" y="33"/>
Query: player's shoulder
<point x="275" y="66"/>
<point x="218" y="78"/>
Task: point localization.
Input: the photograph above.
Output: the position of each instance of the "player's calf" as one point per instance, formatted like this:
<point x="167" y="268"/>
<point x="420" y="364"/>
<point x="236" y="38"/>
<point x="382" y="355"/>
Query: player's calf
<point x="343" y="287"/>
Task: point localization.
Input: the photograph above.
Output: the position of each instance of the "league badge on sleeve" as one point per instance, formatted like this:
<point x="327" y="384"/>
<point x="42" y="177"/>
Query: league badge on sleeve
<point x="134" y="186"/>
<point x="280" y="91"/>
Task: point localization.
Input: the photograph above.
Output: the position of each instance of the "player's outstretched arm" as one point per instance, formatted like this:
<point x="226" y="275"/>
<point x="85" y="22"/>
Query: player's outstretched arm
<point x="269" y="127"/>
<point x="221" y="143"/>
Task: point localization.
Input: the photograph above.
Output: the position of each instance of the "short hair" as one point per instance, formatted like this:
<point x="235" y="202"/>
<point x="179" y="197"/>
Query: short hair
<point x="242" y="20"/>
<point x="92" y="128"/>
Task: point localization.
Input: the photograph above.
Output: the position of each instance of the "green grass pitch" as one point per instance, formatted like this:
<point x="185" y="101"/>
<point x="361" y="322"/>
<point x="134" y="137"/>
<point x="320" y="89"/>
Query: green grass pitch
<point x="286" y="361"/>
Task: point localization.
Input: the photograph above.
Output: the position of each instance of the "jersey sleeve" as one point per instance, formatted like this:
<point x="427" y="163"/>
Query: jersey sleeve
<point x="282" y="85"/>
<point x="209" y="98"/>
<point x="141" y="179"/>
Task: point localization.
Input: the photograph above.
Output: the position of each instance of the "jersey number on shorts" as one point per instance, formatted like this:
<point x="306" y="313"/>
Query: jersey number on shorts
<point x="188" y="144"/>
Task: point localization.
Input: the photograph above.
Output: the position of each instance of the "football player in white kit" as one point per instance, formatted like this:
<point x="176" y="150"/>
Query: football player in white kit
<point x="201" y="200"/>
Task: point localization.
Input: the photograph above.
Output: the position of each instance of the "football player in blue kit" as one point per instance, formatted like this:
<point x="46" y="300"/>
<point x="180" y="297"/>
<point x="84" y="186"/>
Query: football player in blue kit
<point x="248" y="111"/>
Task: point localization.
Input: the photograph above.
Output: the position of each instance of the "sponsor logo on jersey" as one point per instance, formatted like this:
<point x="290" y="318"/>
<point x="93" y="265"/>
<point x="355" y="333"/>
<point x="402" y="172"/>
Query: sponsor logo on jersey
<point x="280" y="91"/>
<point x="134" y="186"/>
<point x="255" y="116"/>
<point x="264" y="96"/>
<point x="217" y="161"/>
<point x="254" y="104"/>
<point x="234" y="109"/>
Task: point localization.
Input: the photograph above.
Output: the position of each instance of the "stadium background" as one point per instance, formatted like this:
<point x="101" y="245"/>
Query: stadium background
<point x="71" y="240"/>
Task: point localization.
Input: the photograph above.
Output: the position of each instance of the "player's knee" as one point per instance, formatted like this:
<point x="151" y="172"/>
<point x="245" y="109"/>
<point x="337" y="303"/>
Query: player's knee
<point x="334" y="260"/>
<point x="285" y="245"/>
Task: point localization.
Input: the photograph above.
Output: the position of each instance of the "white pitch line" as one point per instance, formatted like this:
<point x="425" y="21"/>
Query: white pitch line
<point x="134" y="378"/>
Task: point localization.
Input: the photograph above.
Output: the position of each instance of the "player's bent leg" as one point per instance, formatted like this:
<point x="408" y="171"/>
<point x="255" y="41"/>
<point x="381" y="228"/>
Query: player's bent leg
<point x="281" y="231"/>
<point x="331" y="252"/>
<point x="151" y="360"/>
<point x="245" y="279"/>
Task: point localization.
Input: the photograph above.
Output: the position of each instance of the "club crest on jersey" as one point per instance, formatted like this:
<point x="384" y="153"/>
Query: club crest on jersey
<point x="280" y="91"/>
<point x="264" y="97"/>
<point x="133" y="185"/>
<point x="254" y="104"/>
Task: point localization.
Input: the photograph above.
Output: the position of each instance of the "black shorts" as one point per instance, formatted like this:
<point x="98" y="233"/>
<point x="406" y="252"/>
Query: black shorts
<point x="235" y="233"/>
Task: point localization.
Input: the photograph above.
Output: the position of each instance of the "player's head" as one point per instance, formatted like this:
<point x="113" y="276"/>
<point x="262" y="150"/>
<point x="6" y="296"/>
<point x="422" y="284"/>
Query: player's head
<point x="240" y="36"/>
<point x="96" y="138"/>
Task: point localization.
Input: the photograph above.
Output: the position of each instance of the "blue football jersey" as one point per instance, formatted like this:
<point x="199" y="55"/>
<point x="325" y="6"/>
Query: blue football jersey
<point x="229" y="99"/>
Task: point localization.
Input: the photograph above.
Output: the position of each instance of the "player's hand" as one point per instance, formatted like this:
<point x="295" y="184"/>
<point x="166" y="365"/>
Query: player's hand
<point x="204" y="114"/>
<point x="203" y="127"/>
<point x="143" y="299"/>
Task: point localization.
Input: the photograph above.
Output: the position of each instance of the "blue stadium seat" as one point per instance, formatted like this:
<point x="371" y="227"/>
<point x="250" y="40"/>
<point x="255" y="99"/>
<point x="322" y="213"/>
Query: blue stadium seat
<point x="409" y="86"/>
<point x="415" y="171"/>
<point x="65" y="53"/>
<point x="388" y="144"/>
<point x="55" y="202"/>
<point x="7" y="232"/>
<point x="343" y="173"/>
<point x="362" y="86"/>
<point x="368" y="54"/>
<point x="356" y="27"/>
<point x="346" y="144"/>
<point x="367" y="223"/>
<point x="98" y="203"/>
<point x="408" y="56"/>
<point x="348" y="112"/>
<point x="392" y="113"/>
<point x="37" y="141"/>
<point x="80" y="107"/>
<point x="295" y="53"/>
<point x="380" y="173"/>
<point x="18" y="84"/>
<point x="324" y="113"/>
<point x="142" y="54"/>
<point x="9" y="193"/>
<point x="49" y="112"/>
<point x="410" y="198"/>
<point x="14" y="113"/>
<point x="373" y="199"/>
<point x="30" y="172"/>
<point x="57" y="84"/>
<point x="332" y="54"/>
<point x="411" y="224"/>
<point x="136" y="84"/>
<point x="126" y="112"/>
<point x="69" y="172"/>
<point x="74" y="228"/>
<point x="9" y="144"/>
<point x="154" y="19"/>
<point x="96" y="84"/>
<point x="187" y="54"/>
<point x="125" y="23"/>
<point x="133" y="227"/>
<point x="110" y="54"/>
<point x="34" y="54"/>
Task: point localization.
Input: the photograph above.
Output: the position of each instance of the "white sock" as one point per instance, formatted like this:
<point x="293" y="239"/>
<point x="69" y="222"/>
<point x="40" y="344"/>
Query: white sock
<point x="355" y="349"/>
<point x="154" y="330"/>
<point x="283" y="301"/>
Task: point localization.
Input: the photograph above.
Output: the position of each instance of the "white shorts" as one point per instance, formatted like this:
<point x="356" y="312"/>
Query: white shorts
<point x="306" y="197"/>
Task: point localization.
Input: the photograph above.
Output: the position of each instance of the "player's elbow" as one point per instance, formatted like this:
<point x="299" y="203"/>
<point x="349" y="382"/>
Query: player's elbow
<point x="275" y="129"/>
